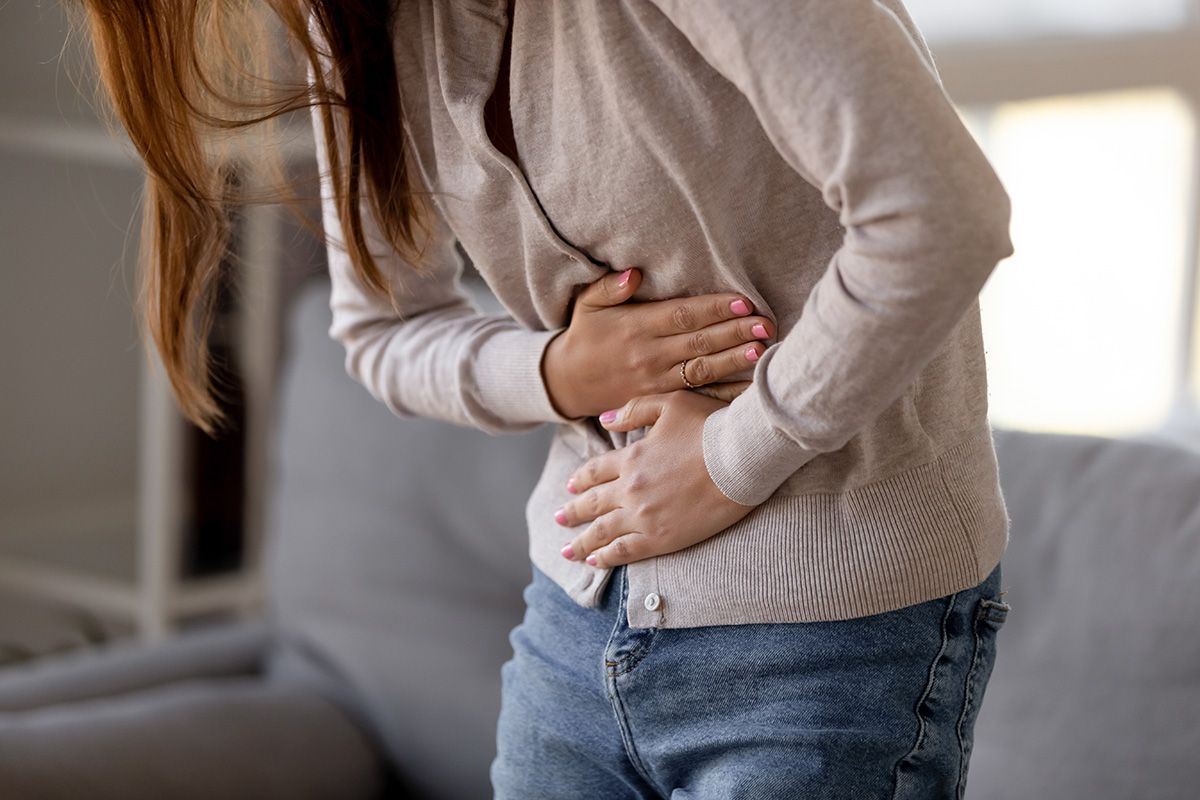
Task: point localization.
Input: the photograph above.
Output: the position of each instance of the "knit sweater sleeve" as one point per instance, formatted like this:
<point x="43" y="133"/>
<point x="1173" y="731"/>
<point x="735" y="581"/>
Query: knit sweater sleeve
<point x="849" y="97"/>
<point x="434" y="355"/>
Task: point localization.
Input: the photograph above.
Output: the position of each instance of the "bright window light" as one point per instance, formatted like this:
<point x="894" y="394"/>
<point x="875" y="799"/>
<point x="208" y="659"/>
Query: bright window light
<point x="1082" y="324"/>
<point x="975" y="20"/>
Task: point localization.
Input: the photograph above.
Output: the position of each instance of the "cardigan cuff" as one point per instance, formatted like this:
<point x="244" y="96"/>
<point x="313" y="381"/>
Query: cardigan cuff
<point x="746" y="456"/>
<point x="508" y="377"/>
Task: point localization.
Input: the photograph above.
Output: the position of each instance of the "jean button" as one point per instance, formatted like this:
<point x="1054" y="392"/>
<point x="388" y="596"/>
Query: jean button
<point x="652" y="601"/>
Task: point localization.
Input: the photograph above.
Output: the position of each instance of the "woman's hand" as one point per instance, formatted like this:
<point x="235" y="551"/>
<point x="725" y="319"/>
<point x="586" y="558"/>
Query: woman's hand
<point x="613" y="351"/>
<point x="653" y="496"/>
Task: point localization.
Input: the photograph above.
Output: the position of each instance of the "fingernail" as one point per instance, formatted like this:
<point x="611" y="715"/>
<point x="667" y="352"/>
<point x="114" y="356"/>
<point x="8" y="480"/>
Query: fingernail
<point x="624" y="278"/>
<point x="561" y="516"/>
<point x="751" y="354"/>
<point x="608" y="416"/>
<point x="739" y="307"/>
<point x="591" y="559"/>
<point x="568" y="551"/>
<point x="571" y="485"/>
<point x="759" y="330"/>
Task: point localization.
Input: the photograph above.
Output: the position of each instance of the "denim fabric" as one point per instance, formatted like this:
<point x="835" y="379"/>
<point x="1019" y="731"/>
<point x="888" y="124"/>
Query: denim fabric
<point x="882" y="706"/>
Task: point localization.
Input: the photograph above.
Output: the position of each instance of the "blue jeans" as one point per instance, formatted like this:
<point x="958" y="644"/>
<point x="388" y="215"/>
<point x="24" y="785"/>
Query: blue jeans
<point x="882" y="706"/>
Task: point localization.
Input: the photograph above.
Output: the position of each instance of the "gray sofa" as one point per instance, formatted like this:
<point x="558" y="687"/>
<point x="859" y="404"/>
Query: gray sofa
<point x="397" y="555"/>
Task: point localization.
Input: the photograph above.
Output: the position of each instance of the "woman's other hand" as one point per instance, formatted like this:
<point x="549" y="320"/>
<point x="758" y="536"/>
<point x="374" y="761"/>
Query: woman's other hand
<point x="613" y="351"/>
<point x="651" y="497"/>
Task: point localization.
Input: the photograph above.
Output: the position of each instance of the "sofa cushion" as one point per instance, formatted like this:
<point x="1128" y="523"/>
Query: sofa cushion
<point x="397" y="553"/>
<point x="1096" y="689"/>
<point x="227" y="737"/>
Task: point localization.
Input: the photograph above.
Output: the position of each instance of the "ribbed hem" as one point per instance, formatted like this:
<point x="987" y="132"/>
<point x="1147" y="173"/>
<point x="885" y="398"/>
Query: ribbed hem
<point x="508" y="377"/>
<point x="934" y="529"/>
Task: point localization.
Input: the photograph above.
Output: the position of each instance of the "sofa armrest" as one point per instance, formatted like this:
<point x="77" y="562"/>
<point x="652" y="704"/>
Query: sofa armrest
<point x="222" y="651"/>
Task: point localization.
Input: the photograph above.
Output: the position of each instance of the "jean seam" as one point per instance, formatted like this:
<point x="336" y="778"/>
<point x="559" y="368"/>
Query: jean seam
<point x="929" y="683"/>
<point x="968" y="700"/>
<point x="633" y="657"/>
<point x="614" y="694"/>
<point x="631" y="752"/>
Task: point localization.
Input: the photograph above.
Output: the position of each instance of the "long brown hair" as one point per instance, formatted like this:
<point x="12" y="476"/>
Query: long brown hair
<point x="184" y="76"/>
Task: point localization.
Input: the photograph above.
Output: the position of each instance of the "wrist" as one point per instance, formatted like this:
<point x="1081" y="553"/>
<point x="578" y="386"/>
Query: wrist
<point x="558" y="385"/>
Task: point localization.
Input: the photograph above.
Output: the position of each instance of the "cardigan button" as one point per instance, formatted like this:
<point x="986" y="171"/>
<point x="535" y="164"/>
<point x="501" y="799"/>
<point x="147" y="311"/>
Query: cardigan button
<point x="652" y="601"/>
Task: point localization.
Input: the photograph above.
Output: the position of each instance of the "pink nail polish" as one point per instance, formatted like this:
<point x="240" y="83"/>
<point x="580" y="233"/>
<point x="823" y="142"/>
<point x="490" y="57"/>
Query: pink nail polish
<point x="591" y="559"/>
<point x="560" y="516"/>
<point x="608" y="416"/>
<point x="568" y="551"/>
<point x="739" y="307"/>
<point x="571" y="485"/>
<point x="624" y="281"/>
<point x="759" y="330"/>
<point x="751" y="354"/>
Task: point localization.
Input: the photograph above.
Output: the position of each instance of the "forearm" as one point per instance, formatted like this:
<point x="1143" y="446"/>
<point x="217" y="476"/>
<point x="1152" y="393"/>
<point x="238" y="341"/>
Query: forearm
<point x="435" y="355"/>
<point x="852" y="102"/>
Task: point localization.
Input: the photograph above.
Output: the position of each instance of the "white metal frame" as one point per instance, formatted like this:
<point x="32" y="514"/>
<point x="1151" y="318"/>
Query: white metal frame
<point x="159" y="597"/>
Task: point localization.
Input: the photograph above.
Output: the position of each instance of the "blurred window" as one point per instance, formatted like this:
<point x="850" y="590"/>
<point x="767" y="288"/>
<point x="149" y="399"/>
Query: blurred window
<point x="973" y="20"/>
<point x="1082" y="324"/>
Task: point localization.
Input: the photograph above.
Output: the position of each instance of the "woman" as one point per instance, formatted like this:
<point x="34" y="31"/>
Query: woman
<point x="787" y="587"/>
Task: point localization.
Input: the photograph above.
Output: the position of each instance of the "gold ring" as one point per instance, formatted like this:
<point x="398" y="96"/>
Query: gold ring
<point x="683" y="372"/>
